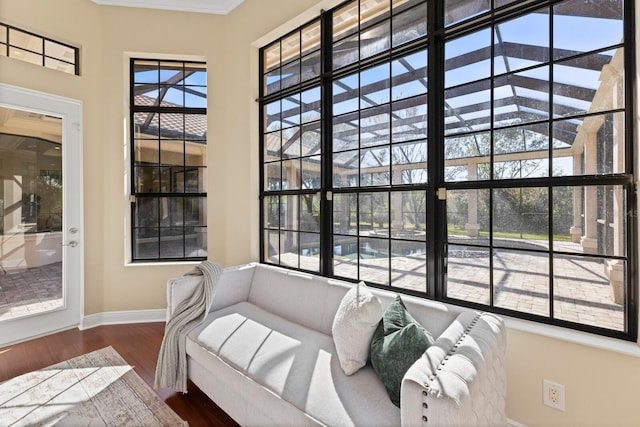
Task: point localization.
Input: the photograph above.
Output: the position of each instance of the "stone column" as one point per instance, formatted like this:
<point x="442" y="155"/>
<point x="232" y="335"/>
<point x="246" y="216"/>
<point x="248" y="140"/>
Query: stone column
<point x="472" y="226"/>
<point x="615" y="268"/>
<point x="396" y="220"/>
<point x="589" y="240"/>
<point x="13" y="204"/>
<point x="576" y="229"/>
<point x="293" y="178"/>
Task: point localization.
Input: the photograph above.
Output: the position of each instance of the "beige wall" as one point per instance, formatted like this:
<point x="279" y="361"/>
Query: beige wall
<point x="602" y="387"/>
<point x="106" y="36"/>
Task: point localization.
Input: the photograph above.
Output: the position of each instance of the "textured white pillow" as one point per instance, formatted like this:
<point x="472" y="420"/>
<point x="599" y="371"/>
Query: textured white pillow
<point x="353" y="326"/>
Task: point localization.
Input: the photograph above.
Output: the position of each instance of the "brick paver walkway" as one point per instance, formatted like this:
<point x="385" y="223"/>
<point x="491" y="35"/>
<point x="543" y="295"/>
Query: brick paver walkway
<point x="25" y="291"/>
<point x="521" y="282"/>
<point x="582" y="292"/>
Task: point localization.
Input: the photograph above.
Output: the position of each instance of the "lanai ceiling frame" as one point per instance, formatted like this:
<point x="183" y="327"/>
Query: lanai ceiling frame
<point x="529" y="101"/>
<point x="154" y="94"/>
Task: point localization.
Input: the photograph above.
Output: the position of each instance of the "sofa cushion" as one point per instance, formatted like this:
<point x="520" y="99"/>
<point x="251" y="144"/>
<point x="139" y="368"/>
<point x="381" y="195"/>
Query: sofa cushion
<point x="397" y="343"/>
<point x="293" y="295"/>
<point x="294" y="362"/>
<point x="353" y="326"/>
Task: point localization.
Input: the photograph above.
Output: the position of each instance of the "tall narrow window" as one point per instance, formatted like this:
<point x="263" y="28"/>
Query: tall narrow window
<point x="168" y="155"/>
<point x="475" y="152"/>
<point x="379" y="144"/>
<point x="292" y="153"/>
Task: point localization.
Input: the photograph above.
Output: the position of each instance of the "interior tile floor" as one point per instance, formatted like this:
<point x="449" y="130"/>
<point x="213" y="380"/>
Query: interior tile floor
<point x="25" y="291"/>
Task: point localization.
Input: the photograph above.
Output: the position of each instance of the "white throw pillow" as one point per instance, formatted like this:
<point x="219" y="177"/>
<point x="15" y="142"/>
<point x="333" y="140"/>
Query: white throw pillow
<point x="353" y="326"/>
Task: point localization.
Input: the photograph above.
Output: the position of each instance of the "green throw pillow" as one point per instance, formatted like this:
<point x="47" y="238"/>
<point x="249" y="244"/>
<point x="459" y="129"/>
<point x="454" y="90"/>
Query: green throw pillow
<point x="397" y="343"/>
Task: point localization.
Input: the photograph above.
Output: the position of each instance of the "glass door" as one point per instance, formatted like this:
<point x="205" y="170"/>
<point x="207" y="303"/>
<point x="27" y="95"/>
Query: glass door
<point x="39" y="242"/>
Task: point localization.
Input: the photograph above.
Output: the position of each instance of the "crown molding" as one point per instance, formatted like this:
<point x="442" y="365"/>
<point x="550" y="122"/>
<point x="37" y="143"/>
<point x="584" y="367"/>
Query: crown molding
<point x="217" y="7"/>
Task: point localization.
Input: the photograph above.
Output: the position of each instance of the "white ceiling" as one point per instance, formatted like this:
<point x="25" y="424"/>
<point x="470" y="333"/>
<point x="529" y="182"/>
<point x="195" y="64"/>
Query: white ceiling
<point x="218" y="7"/>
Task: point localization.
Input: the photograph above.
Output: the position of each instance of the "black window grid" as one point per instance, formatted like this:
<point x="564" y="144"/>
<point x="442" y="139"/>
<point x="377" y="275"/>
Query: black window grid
<point x="179" y="191"/>
<point x="437" y="243"/>
<point x="7" y="45"/>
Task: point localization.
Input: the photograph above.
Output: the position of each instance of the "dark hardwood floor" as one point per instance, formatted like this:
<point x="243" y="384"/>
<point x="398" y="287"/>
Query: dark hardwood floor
<point x="137" y="343"/>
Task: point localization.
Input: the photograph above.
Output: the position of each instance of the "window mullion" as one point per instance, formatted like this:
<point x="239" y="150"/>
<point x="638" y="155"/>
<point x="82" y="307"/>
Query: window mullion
<point x="631" y="312"/>
<point x="436" y="221"/>
<point x="326" y="175"/>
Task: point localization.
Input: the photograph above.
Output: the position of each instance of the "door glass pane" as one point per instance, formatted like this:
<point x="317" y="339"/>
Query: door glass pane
<point x="30" y="213"/>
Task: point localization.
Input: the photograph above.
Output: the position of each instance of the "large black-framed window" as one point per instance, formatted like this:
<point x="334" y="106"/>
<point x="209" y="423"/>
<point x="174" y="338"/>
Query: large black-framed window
<point x="476" y="152"/>
<point x="168" y="160"/>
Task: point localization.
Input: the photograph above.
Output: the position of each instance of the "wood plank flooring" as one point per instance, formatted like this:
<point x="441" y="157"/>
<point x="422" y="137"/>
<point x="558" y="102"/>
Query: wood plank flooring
<point x="137" y="343"/>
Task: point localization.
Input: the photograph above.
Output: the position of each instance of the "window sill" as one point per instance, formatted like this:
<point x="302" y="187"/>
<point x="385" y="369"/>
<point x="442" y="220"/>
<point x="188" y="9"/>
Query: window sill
<point x="603" y="343"/>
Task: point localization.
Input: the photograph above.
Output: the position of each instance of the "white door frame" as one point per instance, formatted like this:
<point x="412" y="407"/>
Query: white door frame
<point x="69" y="316"/>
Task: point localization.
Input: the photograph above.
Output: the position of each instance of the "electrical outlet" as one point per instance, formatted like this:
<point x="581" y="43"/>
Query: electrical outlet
<point x="553" y="394"/>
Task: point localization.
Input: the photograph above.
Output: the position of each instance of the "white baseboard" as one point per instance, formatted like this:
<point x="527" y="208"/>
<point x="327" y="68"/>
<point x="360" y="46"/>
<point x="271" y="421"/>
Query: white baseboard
<point x="512" y="423"/>
<point x="119" y="317"/>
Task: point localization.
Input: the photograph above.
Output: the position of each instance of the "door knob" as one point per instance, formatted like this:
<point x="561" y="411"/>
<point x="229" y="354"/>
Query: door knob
<point x="72" y="243"/>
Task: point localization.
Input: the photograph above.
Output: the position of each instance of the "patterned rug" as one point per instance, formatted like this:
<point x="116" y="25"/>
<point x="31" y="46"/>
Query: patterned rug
<point x="95" y="389"/>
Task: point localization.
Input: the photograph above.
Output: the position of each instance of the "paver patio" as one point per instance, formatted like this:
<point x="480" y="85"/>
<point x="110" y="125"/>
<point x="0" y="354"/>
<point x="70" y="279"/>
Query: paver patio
<point x="581" y="291"/>
<point x="26" y="291"/>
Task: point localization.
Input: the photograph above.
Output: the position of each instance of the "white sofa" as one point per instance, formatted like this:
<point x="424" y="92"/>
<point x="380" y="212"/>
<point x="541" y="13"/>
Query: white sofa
<point x="266" y="356"/>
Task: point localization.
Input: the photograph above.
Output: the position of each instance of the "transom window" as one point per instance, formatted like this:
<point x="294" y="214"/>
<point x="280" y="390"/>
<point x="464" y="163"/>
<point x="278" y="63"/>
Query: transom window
<point x="30" y="47"/>
<point x="474" y="152"/>
<point x="168" y="155"/>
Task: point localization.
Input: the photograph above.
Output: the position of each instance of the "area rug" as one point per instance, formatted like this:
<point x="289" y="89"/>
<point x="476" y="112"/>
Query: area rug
<point x="95" y="389"/>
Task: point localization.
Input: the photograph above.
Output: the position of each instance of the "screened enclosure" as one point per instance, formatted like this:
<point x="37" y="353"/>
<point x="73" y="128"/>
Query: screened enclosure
<point x="470" y="151"/>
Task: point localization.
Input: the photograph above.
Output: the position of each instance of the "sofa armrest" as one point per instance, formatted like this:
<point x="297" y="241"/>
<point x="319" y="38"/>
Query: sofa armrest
<point x="233" y="287"/>
<point x="461" y="378"/>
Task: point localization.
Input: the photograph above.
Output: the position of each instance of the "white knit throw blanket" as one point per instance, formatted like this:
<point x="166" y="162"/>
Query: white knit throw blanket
<point x="171" y="370"/>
